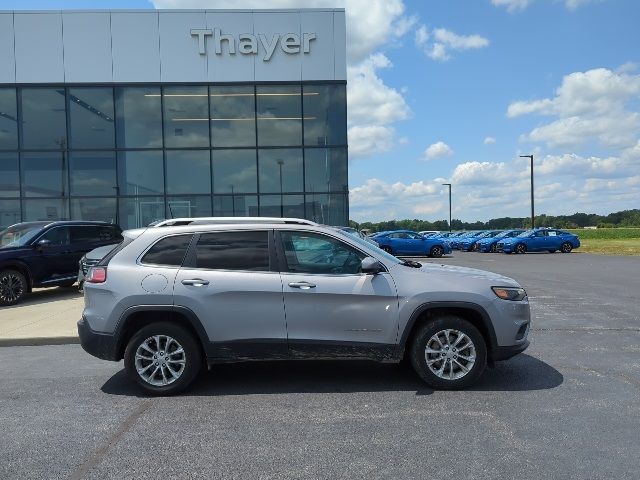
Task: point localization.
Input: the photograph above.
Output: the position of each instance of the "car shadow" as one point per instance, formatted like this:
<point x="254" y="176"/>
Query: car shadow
<point x="522" y="373"/>
<point x="47" y="295"/>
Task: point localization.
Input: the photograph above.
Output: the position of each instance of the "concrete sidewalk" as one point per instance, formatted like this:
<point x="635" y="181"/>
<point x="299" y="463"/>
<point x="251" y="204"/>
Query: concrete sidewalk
<point x="47" y="316"/>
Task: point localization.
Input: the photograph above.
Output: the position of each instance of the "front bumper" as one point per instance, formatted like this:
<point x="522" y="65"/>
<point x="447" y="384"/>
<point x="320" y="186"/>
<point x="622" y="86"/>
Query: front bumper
<point x="504" y="353"/>
<point x="101" y="345"/>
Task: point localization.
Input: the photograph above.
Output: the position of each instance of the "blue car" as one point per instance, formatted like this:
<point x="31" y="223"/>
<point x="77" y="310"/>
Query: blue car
<point x="457" y="242"/>
<point x="539" y="240"/>
<point x="454" y="240"/>
<point x="488" y="244"/>
<point x="468" y="244"/>
<point x="406" y="242"/>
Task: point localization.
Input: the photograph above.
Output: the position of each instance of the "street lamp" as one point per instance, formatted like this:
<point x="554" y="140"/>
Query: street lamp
<point x="533" y="221"/>
<point x="449" y="185"/>
<point x="280" y="163"/>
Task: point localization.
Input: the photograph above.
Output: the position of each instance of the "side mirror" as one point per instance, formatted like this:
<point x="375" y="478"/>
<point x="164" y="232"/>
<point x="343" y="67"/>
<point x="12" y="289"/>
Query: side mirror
<point x="371" y="266"/>
<point x="44" y="243"/>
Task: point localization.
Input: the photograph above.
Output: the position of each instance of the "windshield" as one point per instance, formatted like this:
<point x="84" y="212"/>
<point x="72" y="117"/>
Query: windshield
<point x="18" y="235"/>
<point x="368" y="245"/>
<point x="503" y="234"/>
<point x="526" y="233"/>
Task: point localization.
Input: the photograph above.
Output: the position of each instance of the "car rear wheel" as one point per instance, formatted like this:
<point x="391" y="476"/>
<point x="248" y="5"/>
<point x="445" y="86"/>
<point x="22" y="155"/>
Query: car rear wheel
<point x="13" y="287"/>
<point x="386" y="249"/>
<point x="566" y="247"/>
<point x="163" y="358"/>
<point x="521" y="248"/>
<point x="436" y="251"/>
<point x="449" y="353"/>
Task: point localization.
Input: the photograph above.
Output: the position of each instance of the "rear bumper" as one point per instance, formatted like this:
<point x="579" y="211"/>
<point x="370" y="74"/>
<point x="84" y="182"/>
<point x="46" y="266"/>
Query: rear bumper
<point x="504" y="353"/>
<point x="98" y="344"/>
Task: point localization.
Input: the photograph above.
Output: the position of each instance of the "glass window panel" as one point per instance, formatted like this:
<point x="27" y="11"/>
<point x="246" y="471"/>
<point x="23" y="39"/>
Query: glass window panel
<point x="9" y="175"/>
<point x="235" y="206"/>
<point x="44" y="123"/>
<point x="93" y="173"/>
<point x="291" y="206"/>
<point x="102" y="209"/>
<point x="44" y="174"/>
<point x="9" y="213"/>
<point x="168" y="251"/>
<point x="314" y="253"/>
<point x="45" y="209"/>
<point x="188" y="171"/>
<point x="280" y="167"/>
<point x="138" y="212"/>
<point x="91" y="123"/>
<point x="8" y="119"/>
<point x="140" y="173"/>
<point x="327" y="209"/>
<point x="325" y="169"/>
<point x="234" y="171"/>
<point x="233" y="251"/>
<point x="233" y="122"/>
<point x="186" y="117"/>
<point x="180" y="207"/>
<point x="325" y="114"/>
<point x="279" y="115"/>
<point x="138" y="117"/>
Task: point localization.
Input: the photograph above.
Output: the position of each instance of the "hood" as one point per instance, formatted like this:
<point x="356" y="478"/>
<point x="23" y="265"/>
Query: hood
<point x="454" y="275"/>
<point x="510" y="239"/>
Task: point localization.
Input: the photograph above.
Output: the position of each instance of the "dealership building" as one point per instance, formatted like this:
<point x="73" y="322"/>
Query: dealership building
<point x="133" y="116"/>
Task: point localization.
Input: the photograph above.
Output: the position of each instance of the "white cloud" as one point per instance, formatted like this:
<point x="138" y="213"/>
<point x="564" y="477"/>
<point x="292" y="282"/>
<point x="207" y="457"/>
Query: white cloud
<point x="371" y="25"/>
<point x="596" y="105"/>
<point x="441" y="42"/>
<point x="437" y="150"/>
<point x="489" y="140"/>
<point x="513" y="6"/>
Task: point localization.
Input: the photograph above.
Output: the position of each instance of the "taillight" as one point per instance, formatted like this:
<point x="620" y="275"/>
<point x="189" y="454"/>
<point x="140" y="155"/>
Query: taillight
<point x="96" y="275"/>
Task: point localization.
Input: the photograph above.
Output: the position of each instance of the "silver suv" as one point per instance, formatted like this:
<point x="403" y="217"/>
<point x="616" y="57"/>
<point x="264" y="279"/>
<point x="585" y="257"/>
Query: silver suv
<point x="171" y="299"/>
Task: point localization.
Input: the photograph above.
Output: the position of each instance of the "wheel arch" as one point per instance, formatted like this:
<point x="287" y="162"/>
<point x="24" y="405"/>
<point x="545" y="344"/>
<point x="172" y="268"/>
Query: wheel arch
<point x="21" y="267"/>
<point x="134" y="318"/>
<point x="472" y="312"/>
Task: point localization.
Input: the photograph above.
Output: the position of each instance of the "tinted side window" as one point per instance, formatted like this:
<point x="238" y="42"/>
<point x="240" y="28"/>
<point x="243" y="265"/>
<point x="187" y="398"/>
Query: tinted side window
<point x="168" y="251"/>
<point x="106" y="234"/>
<point x="233" y="251"/>
<point x="57" y="236"/>
<point x="84" y="234"/>
<point x="313" y="253"/>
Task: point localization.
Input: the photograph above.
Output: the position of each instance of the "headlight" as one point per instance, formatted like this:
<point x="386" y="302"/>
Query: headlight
<point x="510" y="293"/>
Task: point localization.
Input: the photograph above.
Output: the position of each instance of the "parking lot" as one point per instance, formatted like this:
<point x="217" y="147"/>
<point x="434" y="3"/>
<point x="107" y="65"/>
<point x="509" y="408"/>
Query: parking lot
<point x="566" y="408"/>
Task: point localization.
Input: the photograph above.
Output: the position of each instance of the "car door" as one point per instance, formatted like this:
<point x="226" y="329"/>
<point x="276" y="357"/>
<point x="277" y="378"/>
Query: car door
<point x="54" y="257"/>
<point x="84" y="238"/>
<point x="554" y="240"/>
<point x="538" y="241"/>
<point x="331" y="308"/>
<point x="416" y="244"/>
<point x="400" y="243"/>
<point x="230" y="281"/>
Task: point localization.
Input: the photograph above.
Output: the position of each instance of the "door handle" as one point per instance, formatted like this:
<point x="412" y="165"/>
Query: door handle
<point x="302" y="285"/>
<point x="195" y="282"/>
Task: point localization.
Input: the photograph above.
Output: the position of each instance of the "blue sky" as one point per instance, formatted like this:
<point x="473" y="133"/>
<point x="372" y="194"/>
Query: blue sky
<point x="475" y="83"/>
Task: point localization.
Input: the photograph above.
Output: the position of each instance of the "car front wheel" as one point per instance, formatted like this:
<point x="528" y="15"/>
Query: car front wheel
<point x="521" y="248"/>
<point x="436" y="251"/>
<point x="493" y="248"/>
<point x="13" y="287"/>
<point x="448" y="353"/>
<point x="386" y="249"/>
<point x="163" y="358"/>
<point x="566" y="247"/>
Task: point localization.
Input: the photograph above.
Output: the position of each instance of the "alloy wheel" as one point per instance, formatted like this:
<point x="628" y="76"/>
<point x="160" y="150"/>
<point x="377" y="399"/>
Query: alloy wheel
<point x="436" y="251"/>
<point x="11" y="288"/>
<point x="520" y="248"/>
<point x="450" y="354"/>
<point x="160" y="360"/>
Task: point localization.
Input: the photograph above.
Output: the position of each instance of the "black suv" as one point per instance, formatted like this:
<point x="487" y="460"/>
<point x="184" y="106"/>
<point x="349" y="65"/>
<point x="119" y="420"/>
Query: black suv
<point x="46" y="254"/>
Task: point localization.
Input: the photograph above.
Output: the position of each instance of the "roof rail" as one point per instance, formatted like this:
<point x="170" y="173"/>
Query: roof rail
<point x="174" y="222"/>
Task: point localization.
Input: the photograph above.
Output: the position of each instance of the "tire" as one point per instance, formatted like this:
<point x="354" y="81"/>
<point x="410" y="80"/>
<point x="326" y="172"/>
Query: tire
<point x="186" y="364"/>
<point x="13" y="287"/>
<point x="493" y="248"/>
<point x="436" y="251"/>
<point x="520" y="248"/>
<point x="81" y="286"/>
<point x="386" y="249"/>
<point x="448" y="374"/>
<point x="566" y="247"/>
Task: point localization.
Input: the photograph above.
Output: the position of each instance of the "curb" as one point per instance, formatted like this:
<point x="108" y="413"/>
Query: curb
<point x="38" y="341"/>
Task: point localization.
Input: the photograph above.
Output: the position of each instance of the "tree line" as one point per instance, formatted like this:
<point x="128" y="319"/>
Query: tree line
<point x="624" y="218"/>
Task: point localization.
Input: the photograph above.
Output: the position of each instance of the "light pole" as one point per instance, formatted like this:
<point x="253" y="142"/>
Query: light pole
<point x="533" y="218"/>
<point x="280" y="163"/>
<point x="449" y="185"/>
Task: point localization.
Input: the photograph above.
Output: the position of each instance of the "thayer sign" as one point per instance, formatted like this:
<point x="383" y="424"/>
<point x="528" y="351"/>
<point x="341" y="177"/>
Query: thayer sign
<point x="247" y="43"/>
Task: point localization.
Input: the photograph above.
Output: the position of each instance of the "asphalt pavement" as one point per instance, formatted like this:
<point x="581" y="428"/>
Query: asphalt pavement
<point x="566" y="408"/>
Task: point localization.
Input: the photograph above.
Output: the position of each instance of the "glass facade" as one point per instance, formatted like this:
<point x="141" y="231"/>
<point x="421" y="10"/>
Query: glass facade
<point x="139" y="153"/>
